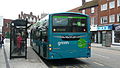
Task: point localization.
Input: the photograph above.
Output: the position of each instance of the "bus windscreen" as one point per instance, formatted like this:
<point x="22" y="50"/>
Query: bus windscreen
<point x="69" y="24"/>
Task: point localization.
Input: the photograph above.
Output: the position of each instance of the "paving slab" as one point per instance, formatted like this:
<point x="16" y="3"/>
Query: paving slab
<point x="32" y="61"/>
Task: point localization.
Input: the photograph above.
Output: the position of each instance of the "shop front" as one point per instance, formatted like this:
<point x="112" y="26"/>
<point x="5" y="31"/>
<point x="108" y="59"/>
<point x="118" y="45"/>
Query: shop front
<point x="94" y="34"/>
<point x="116" y="34"/>
<point x="105" y="35"/>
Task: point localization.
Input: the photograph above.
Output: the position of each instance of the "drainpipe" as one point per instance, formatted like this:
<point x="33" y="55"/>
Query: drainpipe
<point x="83" y="1"/>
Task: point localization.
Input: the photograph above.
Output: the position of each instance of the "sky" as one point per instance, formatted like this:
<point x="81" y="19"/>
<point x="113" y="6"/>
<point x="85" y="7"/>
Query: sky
<point x="10" y="9"/>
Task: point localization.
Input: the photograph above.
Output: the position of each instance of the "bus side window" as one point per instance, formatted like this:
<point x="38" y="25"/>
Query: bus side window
<point x="34" y="37"/>
<point x="37" y="34"/>
<point x="44" y="36"/>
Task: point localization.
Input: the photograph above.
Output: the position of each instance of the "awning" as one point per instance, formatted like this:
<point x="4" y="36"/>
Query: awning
<point x="116" y="27"/>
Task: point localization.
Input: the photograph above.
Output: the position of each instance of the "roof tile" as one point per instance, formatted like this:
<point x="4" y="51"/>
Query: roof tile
<point x="89" y="4"/>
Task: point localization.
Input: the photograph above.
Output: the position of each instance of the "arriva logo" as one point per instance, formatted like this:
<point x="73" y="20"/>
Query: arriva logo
<point x="62" y="43"/>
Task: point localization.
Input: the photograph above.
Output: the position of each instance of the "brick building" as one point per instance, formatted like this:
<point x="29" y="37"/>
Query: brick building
<point x="6" y="27"/>
<point x="105" y="15"/>
<point x="109" y="22"/>
<point x="30" y="17"/>
<point x="91" y="9"/>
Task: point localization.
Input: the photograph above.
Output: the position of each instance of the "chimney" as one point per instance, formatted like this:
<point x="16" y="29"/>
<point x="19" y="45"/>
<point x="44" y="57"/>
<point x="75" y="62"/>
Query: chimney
<point x="21" y="12"/>
<point x="19" y="16"/>
<point x="83" y="1"/>
<point x="31" y="13"/>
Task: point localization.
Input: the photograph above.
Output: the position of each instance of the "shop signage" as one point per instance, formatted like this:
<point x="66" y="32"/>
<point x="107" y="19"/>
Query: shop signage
<point x="117" y="27"/>
<point x="93" y="28"/>
<point x="105" y="27"/>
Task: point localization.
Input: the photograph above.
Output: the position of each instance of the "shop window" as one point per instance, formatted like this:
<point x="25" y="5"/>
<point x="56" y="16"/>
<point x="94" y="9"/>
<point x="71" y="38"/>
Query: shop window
<point x="117" y="37"/>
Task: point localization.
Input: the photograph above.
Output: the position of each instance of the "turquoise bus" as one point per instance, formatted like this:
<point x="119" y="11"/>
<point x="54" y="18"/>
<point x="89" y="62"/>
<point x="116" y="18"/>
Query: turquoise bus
<point x="62" y="35"/>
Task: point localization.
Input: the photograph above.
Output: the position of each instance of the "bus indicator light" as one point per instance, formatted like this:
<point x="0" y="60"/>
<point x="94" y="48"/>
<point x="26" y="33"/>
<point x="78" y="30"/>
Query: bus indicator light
<point x="50" y="49"/>
<point x="89" y="47"/>
<point x="84" y="30"/>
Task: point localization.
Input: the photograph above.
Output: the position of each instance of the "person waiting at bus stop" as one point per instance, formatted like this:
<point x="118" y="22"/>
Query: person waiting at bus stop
<point x="19" y="43"/>
<point x="1" y="40"/>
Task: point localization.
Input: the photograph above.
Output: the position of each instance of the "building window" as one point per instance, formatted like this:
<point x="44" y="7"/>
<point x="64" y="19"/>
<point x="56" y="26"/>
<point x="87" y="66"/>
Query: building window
<point x="112" y="18"/>
<point x="7" y="25"/>
<point x="30" y="20"/>
<point x="22" y="17"/>
<point x="118" y="2"/>
<point x="92" y="20"/>
<point x="83" y="11"/>
<point x="103" y="7"/>
<point x="34" y="20"/>
<point x="104" y="19"/>
<point x="112" y="4"/>
<point x="92" y="10"/>
<point x="118" y="18"/>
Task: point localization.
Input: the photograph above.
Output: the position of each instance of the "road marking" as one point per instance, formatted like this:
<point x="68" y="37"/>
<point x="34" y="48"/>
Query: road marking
<point x="103" y="56"/>
<point x="82" y="66"/>
<point x="110" y="51"/>
<point x="54" y="66"/>
<point x="83" y="58"/>
<point x="71" y="67"/>
<point x="114" y="52"/>
<point x="86" y="66"/>
<point x="98" y="63"/>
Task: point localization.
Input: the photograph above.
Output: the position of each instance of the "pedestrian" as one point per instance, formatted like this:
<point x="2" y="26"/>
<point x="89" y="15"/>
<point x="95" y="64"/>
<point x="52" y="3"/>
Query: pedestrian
<point x="19" y="43"/>
<point x="1" y="40"/>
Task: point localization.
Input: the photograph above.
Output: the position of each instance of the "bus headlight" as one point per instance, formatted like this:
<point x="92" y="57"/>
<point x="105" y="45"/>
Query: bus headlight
<point x="50" y="45"/>
<point x="54" y="29"/>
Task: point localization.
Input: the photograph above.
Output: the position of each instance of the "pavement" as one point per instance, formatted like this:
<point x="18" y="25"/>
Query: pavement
<point x="2" y="59"/>
<point x="112" y="47"/>
<point x="32" y="61"/>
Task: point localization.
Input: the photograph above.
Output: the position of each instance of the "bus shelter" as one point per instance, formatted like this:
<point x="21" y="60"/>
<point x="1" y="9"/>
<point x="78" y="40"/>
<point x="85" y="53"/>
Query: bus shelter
<point x="18" y="39"/>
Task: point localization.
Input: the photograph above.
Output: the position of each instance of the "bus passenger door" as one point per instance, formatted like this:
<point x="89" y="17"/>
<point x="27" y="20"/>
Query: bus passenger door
<point x="44" y="43"/>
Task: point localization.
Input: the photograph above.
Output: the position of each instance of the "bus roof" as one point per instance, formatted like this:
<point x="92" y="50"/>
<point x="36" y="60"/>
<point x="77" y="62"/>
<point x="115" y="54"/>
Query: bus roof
<point x="69" y="12"/>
